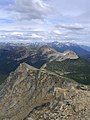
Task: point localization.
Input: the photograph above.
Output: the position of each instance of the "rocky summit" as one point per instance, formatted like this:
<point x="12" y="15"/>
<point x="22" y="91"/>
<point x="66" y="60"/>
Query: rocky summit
<point x="50" y="54"/>
<point x="38" y="94"/>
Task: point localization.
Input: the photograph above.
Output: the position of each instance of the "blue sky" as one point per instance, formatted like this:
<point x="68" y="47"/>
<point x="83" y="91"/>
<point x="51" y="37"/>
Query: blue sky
<point x="69" y="17"/>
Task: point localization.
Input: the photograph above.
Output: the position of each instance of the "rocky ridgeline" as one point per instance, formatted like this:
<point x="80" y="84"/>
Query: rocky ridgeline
<point x="12" y="56"/>
<point x="51" y="54"/>
<point x="37" y="94"/>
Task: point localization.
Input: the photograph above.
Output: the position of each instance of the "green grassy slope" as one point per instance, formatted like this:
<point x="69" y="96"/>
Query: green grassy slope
<point x="78" y="70"/>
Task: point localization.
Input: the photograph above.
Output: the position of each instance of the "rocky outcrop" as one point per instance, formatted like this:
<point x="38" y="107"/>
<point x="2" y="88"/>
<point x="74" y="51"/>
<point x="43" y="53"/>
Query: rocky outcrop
<point x="46" y="50"/>
<point x="42" y="94"/>
<point x="51" y="54"/>
<point x="25" y="89"/>
<point x="69" y="104"/>
<point x="70" y="54"/>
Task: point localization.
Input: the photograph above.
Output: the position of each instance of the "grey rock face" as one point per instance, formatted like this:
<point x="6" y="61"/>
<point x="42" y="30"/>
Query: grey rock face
<point x="25" y="89"/>
<point x="43" y="96"/>
<point x="70" y="104"/>
<point x="50" y="54"/>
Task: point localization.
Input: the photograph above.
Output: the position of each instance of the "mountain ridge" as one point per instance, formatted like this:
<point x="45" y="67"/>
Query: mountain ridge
<point x="12" y="56"/>
<point x="28" y="88"/>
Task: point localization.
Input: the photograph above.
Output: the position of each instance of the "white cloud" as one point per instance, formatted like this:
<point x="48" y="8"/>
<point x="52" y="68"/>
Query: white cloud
<point x="34" y="36"/>
<point x="57" y="32"/>
<point x="30" y="9"/>
<point x="71" y="17"/>
<point x="74" y="26"/>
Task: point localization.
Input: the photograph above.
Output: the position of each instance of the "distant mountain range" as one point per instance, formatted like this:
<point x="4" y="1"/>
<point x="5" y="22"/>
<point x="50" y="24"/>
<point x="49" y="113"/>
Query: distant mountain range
<point x="37" y="54"/>
<point x="85" y="47"/>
